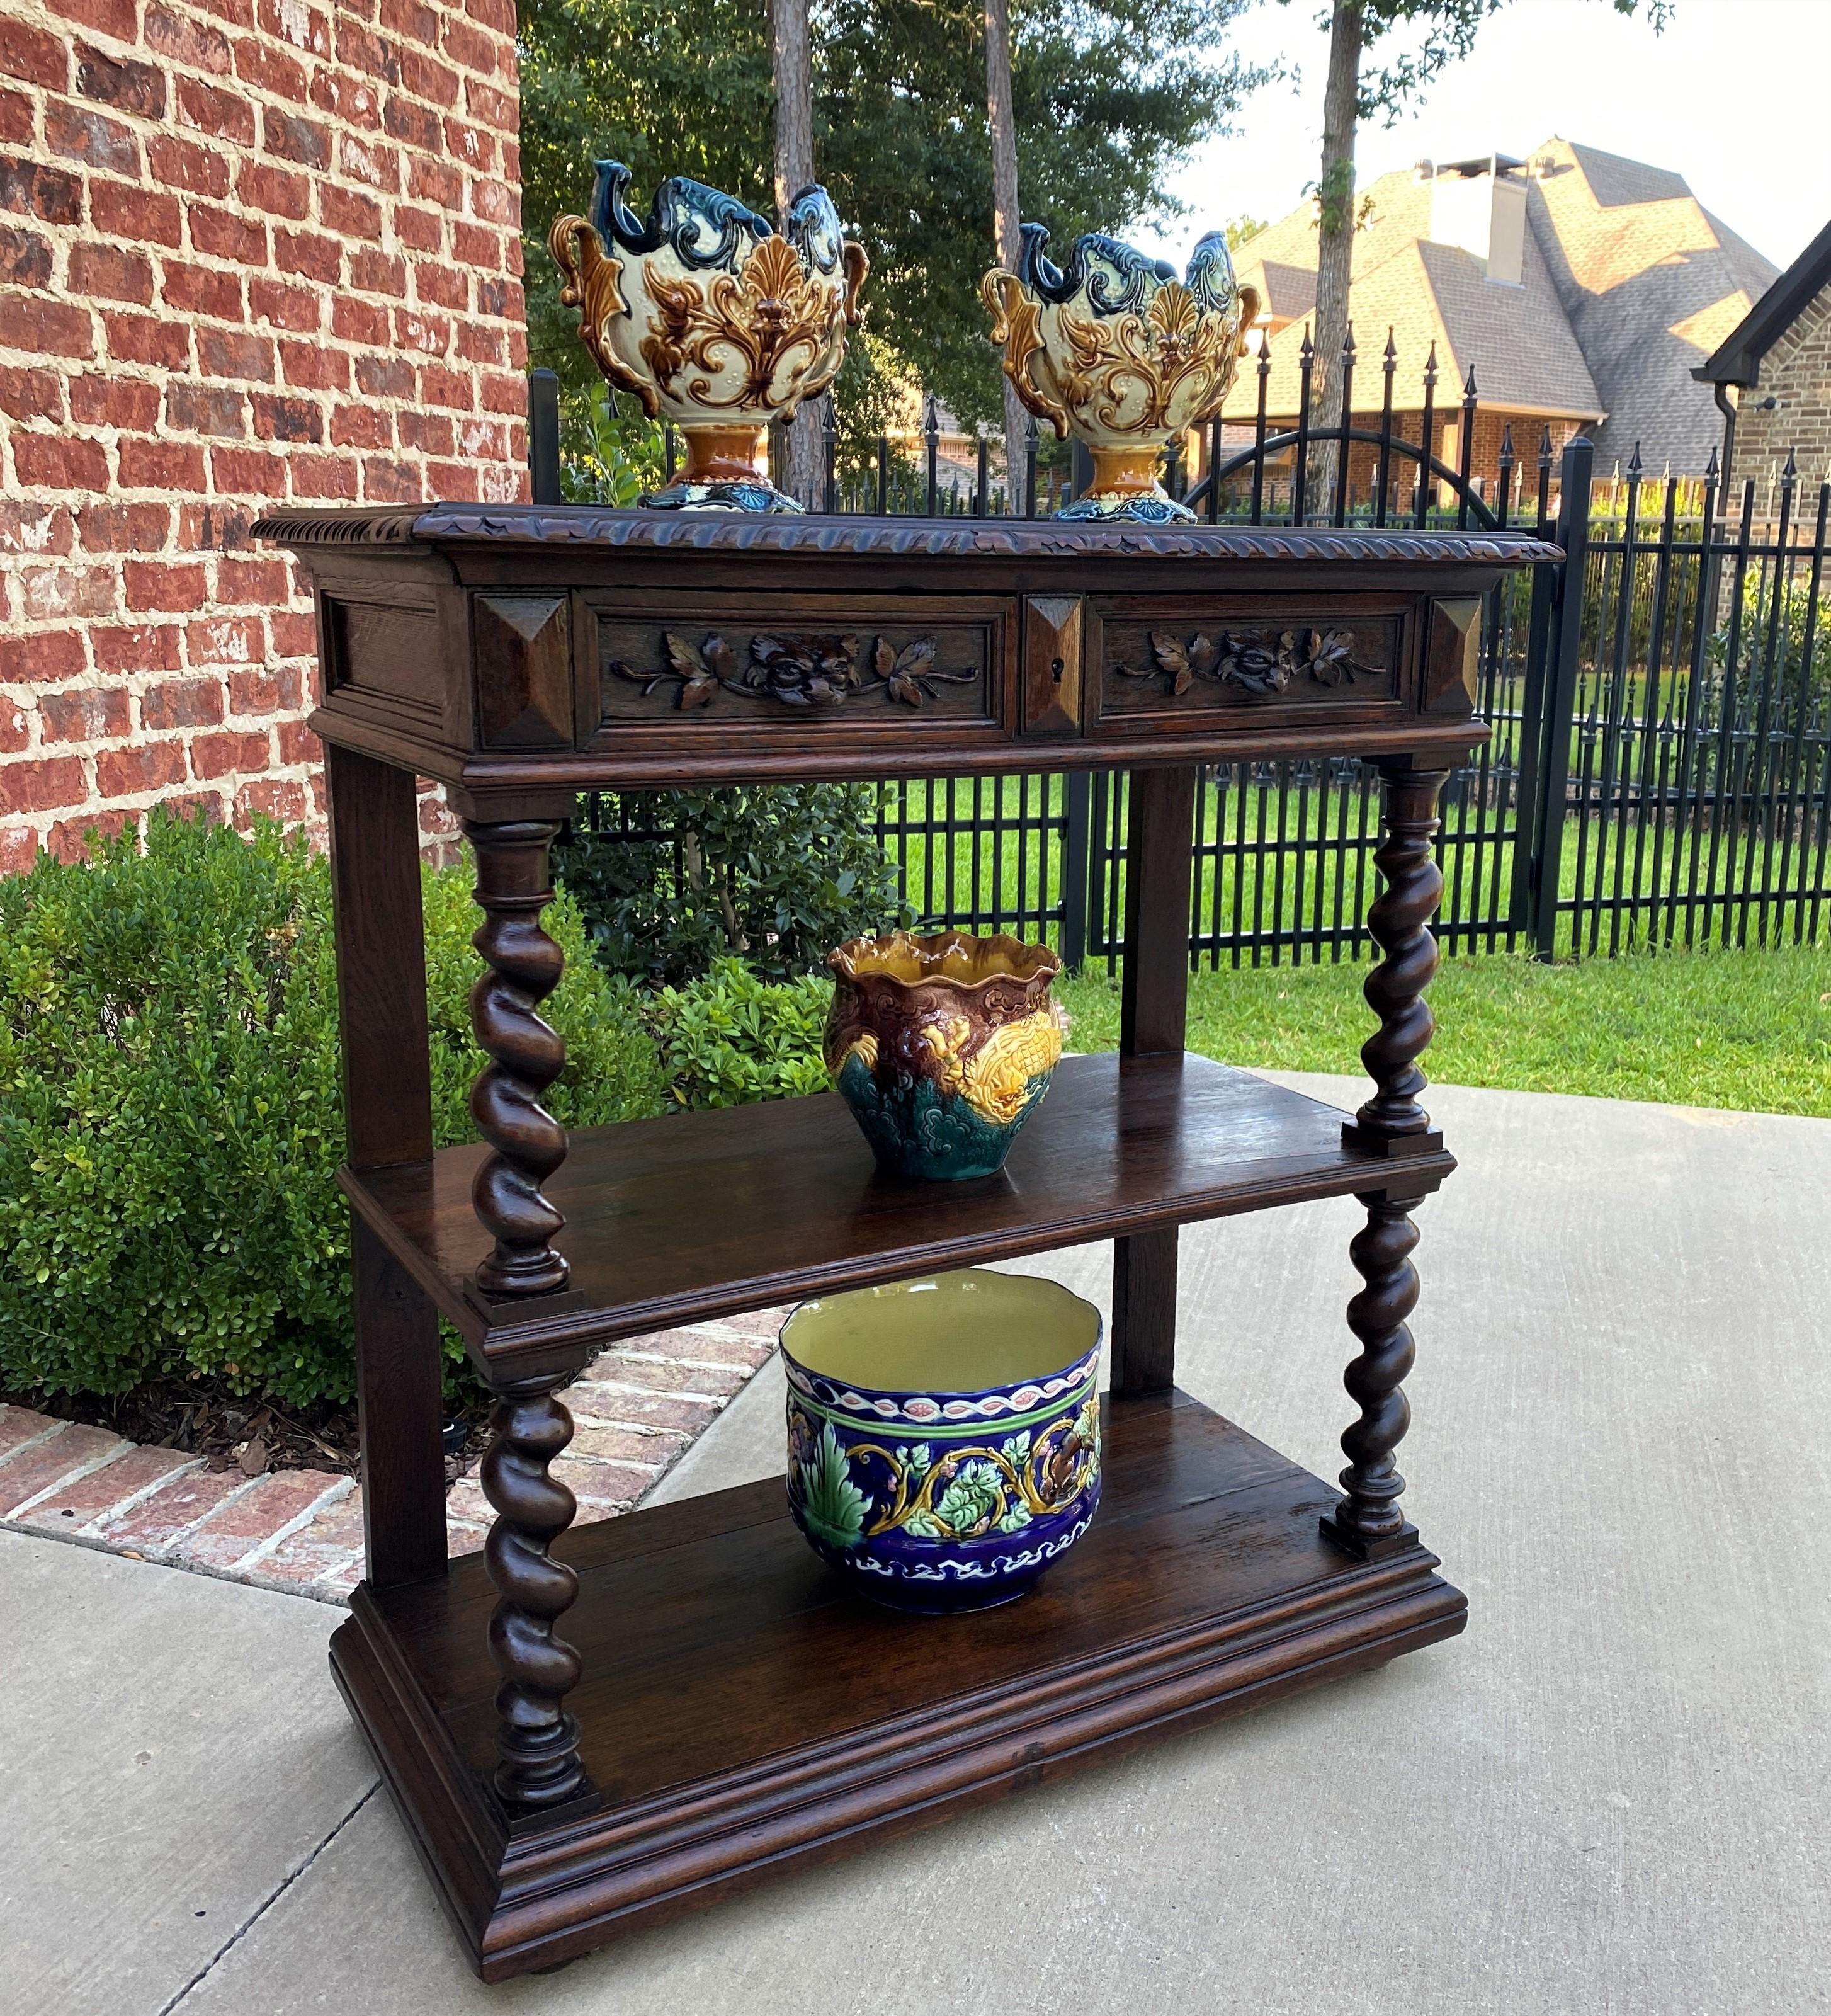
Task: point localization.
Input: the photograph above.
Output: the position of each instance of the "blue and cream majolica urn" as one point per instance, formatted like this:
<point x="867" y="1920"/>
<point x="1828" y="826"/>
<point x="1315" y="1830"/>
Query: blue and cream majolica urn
<point x="942" y="1046"/>
<point x="1117" y="350"/>
<point x="944" y="1434"/>
<point x="713" y="319"/>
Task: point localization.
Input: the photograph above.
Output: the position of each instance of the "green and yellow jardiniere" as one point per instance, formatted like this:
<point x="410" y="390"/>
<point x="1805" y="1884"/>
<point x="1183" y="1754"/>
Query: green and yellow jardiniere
<point x="942" y="1046"/>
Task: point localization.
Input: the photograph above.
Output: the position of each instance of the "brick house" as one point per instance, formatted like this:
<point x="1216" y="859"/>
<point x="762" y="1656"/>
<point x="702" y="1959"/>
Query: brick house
<point x="1580" y="288"/>
<point x="251" y="250"/>
<point x="1773" y="372"/>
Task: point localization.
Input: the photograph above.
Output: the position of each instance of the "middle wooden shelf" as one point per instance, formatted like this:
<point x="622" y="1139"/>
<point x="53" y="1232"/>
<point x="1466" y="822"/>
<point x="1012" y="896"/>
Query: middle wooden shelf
<point x="700" y="1215"/>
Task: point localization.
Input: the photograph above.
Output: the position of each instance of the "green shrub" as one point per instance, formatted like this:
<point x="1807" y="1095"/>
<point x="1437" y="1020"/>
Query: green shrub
<point x="170" y="1112"/>
<point x="606" y="456"/>
<point x="1777" y="620"/>
<point x="776" y="874"/>
<point x="732" y="1038"/>
<point x="611" y="1071"/>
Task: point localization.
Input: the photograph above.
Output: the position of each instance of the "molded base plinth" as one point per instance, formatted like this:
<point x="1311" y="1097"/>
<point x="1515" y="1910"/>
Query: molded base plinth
<point x="742" y="1714"/>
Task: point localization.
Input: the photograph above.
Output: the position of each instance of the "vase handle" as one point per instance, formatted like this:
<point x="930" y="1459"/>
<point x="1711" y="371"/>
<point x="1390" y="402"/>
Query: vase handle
<point x="1015" y="317"/>
<point x="594" y="285"/>
<point x="857" y="271"/>
<point x="1249" y="314"/>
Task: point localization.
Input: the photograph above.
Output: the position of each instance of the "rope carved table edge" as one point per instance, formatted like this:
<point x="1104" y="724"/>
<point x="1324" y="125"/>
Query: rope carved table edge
<point x="738" y="532"/>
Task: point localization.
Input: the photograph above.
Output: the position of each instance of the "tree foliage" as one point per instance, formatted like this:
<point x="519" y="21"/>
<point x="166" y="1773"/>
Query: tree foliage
<point x="1109" y="96"/>
<point x="776" y="873"/>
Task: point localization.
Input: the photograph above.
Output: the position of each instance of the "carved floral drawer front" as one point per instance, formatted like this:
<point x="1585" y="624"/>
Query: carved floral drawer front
<point x="1167" y="662"/>
<point x="728" y="662"/>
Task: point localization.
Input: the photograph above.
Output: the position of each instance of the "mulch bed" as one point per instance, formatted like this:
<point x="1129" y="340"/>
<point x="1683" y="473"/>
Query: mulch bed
<point x="231" y="1431"/>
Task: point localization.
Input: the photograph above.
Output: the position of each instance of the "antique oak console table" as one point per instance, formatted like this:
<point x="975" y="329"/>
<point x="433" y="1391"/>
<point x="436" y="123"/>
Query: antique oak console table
<point x="597" y="1727"/>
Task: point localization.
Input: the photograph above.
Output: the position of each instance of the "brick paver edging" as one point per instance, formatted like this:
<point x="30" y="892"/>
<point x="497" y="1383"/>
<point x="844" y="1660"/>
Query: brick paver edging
<point x="637" y="1408"/>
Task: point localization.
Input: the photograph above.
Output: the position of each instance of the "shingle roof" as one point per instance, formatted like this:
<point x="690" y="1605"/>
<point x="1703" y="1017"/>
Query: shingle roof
<point x="1516" y="339"/>
<point x="1626" y="284"/>
<point x="1650" y="282"/>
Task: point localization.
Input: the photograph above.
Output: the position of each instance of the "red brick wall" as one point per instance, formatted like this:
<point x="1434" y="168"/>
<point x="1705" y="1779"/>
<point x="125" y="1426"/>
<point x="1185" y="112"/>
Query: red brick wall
<point x="251" y="250"/>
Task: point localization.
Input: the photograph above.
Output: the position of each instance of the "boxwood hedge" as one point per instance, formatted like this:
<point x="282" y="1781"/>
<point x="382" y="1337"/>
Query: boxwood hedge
<point x="169" y="1113"/>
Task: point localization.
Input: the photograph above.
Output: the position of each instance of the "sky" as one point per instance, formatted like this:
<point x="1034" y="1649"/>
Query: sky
<point x="1732" y="95"/>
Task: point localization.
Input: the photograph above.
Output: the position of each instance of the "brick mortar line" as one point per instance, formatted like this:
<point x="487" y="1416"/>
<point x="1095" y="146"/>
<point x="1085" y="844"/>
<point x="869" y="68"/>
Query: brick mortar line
<point x="87" y="1468"/>
<point x="416" y="196"/>
<point x="607" y="1462"/>
<point x="162" y="1553"/>
<point x="39" y="1441"/>
<point x="135" y="1500"/>
<point x="248" y="1569"/>
<point x="690" y="1364"/>
<point x="339" y="1488"/>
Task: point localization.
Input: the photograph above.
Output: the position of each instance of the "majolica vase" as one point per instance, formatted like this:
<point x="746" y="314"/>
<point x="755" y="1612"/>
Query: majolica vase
<point x="942" y="1046"/>
<point x="944" y="1434"/>
<point x="1117" y="350"/>
<point x="715" y="319"/>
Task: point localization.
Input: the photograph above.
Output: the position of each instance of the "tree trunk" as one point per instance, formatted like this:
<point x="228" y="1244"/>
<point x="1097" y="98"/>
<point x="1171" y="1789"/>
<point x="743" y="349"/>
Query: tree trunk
<point x="803" y="460"/>
<point x="1335" y="251"/>
<point x="1002" y="121"/>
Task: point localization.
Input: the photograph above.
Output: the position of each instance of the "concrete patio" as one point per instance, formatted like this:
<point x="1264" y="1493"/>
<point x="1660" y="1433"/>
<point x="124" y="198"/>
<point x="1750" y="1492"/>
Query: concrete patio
<point x="1610" y="1795"/>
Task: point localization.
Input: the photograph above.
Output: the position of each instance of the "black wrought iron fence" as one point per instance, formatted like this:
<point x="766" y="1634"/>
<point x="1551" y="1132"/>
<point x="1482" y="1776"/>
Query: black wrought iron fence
<point x="1696" y="788"/>
<point x="1659" y="768"/>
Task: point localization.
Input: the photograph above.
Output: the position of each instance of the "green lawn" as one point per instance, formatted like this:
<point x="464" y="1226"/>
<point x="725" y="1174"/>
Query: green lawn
<point x="1272" y="862"/>
<point x="1749" y="1029"/>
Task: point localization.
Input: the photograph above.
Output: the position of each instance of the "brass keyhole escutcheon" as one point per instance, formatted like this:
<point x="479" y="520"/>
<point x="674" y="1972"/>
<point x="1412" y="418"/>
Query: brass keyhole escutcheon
<point x="1056" y="669"/>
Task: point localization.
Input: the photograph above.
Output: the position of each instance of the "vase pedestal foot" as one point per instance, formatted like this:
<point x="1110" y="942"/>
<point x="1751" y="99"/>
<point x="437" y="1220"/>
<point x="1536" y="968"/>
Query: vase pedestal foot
<point x="1126" y="507"/>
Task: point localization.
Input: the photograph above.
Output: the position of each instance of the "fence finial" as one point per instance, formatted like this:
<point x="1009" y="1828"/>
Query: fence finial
<point x="1634" y="464"/>
<point x="1789" y="475"/>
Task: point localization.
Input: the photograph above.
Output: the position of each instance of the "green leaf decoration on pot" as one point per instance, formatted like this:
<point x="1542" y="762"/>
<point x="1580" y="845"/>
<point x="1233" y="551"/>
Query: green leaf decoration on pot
<point x="831" y="1504"/>
<point x="970" y="1498"/>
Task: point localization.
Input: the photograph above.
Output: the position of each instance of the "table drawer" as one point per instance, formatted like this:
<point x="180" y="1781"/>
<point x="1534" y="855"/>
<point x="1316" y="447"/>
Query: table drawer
<point x="800" y="666"/>
<point x="1199" y="664"/>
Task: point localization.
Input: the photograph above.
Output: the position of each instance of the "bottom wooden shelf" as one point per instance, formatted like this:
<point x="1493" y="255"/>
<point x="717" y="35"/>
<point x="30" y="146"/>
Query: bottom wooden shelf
<point x="743" y="1715"/>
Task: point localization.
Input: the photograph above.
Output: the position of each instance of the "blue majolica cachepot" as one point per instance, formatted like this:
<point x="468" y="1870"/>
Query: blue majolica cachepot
<point x="944" y="1434"/>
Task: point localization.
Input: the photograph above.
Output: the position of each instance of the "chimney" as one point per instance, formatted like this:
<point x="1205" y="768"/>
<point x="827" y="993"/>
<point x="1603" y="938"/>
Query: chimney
<point x="1480" y="206"/>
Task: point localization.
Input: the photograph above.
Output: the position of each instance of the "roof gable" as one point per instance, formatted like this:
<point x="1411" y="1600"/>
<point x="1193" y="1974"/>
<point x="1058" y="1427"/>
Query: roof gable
<point x="1737" y="359"/>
